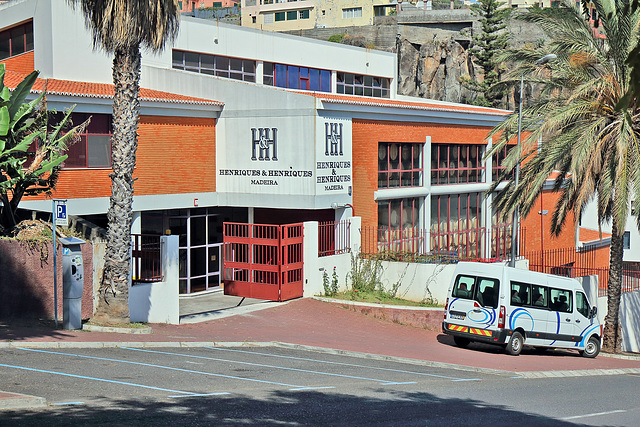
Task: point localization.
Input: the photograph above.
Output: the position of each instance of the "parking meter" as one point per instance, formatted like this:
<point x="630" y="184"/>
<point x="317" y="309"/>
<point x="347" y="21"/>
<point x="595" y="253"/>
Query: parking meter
<point x="72" y="282"/>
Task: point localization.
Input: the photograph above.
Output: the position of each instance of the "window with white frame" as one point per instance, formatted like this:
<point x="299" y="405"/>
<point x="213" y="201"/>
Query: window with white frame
<point x="214" y="65"/>
<point x="353" y="12"/>
<point x="357" y="84"/>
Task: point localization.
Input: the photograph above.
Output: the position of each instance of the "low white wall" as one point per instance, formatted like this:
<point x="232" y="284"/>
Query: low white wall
<point x="418" y="282"/>
<point x="158" y="302"/>
<point x="315" y="266"/>
<point x="630" y="321"/>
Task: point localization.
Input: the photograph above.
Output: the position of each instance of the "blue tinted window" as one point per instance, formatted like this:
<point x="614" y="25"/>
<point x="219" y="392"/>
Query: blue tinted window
<point x="294" y="77"/>
<point x="281" y="75"/>
<point x="314" y="79"/>
<point x="325" y="81"/>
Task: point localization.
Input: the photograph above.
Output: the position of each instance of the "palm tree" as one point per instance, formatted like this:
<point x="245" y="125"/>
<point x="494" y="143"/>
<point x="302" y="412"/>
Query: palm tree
<point x="121" y="27"/>
<point x="591" y="148"/>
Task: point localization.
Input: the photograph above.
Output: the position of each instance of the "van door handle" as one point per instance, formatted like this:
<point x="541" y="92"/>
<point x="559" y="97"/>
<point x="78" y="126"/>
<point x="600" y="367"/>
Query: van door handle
<point x="577" y="320"/>
<point x="569" y="320"/>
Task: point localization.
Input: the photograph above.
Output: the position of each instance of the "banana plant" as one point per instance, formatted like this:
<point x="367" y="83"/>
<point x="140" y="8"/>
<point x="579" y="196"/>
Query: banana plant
<point x="32" y="148"/>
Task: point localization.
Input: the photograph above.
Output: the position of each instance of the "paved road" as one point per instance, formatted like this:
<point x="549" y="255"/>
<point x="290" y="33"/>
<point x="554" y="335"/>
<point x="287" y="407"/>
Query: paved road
<point x="280" y="386"/>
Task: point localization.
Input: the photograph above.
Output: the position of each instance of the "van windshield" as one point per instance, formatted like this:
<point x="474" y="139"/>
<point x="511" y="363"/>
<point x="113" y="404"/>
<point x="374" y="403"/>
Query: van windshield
<point x="482" y="289"/>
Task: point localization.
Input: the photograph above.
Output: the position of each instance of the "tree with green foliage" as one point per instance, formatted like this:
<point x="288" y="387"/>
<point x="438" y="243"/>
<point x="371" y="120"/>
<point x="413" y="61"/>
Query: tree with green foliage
<point x="122" y="27"/>
<point x="491" y="41"/>
<point x="25" y="124"/>
<point x="589" y="146"/>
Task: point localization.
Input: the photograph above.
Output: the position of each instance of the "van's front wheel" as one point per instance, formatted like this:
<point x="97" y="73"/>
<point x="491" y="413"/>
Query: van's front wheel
<point x="514" y="347"/>
<point x="592" y="348"/>
<point x="461" y="341"/>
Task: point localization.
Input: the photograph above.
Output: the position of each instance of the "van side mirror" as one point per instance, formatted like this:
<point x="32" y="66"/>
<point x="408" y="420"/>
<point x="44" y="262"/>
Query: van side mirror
<point x="594" y="311"/>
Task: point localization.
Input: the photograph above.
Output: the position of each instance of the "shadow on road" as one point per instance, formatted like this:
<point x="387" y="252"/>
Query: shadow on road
<point x="283" y="408"/>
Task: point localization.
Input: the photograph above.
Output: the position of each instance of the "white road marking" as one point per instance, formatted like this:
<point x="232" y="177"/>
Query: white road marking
<point x="595" y="414"/>
<point x="383" y="382"/>
<point x="342" y="363"/>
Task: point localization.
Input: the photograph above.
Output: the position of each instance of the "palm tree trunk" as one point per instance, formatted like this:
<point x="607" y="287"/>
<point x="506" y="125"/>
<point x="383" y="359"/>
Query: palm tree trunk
<point x="612" y="338"/>
<point x="115" y="283"/>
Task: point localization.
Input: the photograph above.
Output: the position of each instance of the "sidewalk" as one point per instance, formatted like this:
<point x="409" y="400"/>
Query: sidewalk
<point x="312" y="323"/>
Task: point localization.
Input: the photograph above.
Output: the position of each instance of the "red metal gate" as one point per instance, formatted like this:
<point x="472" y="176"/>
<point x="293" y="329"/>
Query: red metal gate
<point x="263" y="261"/>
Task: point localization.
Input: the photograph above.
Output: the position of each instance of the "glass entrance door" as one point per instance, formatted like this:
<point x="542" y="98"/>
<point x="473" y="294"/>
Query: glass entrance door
<point x="200" y="258"/>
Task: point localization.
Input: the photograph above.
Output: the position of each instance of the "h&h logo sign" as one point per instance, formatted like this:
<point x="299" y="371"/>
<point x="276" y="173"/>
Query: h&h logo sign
<point x="266" y="141"/>
<point x="333" y="141"/>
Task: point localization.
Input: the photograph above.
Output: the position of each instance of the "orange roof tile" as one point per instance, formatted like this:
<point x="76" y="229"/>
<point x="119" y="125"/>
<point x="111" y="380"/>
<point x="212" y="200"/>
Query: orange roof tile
<point x="99" y="90"/>
<point x="588" y="235"/>
<point x="427" y="104"/>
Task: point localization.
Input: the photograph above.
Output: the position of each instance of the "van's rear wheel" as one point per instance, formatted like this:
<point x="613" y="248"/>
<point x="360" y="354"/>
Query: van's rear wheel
<point x="461" y="341"/>
<point x="514" y="347"/>
<point x="592" y="348"/>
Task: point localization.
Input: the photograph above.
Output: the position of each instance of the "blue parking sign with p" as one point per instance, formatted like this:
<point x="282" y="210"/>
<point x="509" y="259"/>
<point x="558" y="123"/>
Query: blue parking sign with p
<point x="61" y="213"/>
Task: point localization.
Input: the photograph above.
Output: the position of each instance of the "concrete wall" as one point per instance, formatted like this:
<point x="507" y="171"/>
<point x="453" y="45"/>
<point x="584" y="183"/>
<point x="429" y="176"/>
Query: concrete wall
<point x="26" y="280"/>
<point x="630" y="321"/>
<point x="158" y="302"/>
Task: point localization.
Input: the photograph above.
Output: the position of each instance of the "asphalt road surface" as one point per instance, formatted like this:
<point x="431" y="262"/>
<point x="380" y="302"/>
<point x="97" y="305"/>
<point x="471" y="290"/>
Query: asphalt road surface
<point x="272" y="386"/>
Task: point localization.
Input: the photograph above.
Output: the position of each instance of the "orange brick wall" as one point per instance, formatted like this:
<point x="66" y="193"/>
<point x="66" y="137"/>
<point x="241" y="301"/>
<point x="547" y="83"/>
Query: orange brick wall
<point x="366" y="136"/>
<point x="175" y="155"/>
<point x="20" y="64"/>
<point x="538" y="230"/>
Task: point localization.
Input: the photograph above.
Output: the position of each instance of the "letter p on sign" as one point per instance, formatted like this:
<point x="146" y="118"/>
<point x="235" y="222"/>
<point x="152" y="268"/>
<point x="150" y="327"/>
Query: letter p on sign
<point x="61" y="214"/>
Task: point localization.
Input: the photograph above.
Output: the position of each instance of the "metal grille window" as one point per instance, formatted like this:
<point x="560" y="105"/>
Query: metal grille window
<point x="456" y="163"/>
<point x="399" y="165"/>
<point x="16" y="40"/>
<point x="455" y="224"/>
<point x="356" y="84"/>
<point x="221" y="66"/>
<point x="400" y="213"/>
<point x="498" y="158"/>
<point x="294" y="77"/>
<point x="304" y="14"/>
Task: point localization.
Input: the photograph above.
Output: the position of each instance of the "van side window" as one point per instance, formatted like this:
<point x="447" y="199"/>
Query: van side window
<point x="520" y="293"/>
<point x="487" y="292"/>
<point x="582" y="305"/>
<point x="561" y="300"/>
<point x="463" y="287"/>
<point x="539" y="296"/>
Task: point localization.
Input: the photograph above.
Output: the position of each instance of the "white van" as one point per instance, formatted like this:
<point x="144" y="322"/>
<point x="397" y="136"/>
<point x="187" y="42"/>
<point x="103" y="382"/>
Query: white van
<point x="496" y="304"/>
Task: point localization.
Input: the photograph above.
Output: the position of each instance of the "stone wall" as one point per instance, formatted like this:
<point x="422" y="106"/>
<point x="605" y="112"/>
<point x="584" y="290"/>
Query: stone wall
<point x="26" y="280"/>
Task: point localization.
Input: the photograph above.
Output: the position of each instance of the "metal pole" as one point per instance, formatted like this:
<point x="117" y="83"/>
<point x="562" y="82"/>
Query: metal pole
<point x="514" y="226"/>
<point x="55" y="270"/>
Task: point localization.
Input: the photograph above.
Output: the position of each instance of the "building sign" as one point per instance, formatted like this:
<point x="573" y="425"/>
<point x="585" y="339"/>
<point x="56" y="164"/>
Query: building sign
<point x="333" y="164"/>
<point x="290" y="155"/>
<point x="270" y="158"/>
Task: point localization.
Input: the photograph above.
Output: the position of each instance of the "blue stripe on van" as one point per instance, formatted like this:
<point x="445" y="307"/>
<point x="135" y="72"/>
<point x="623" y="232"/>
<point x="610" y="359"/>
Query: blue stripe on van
<point x="557" y="326"/>
<point x="517" y="313"/>
<point x="585" y="333"/>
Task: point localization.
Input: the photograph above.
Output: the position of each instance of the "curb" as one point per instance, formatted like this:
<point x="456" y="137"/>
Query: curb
<point x="114" y="329"/>
<point x="11" y="401"/>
